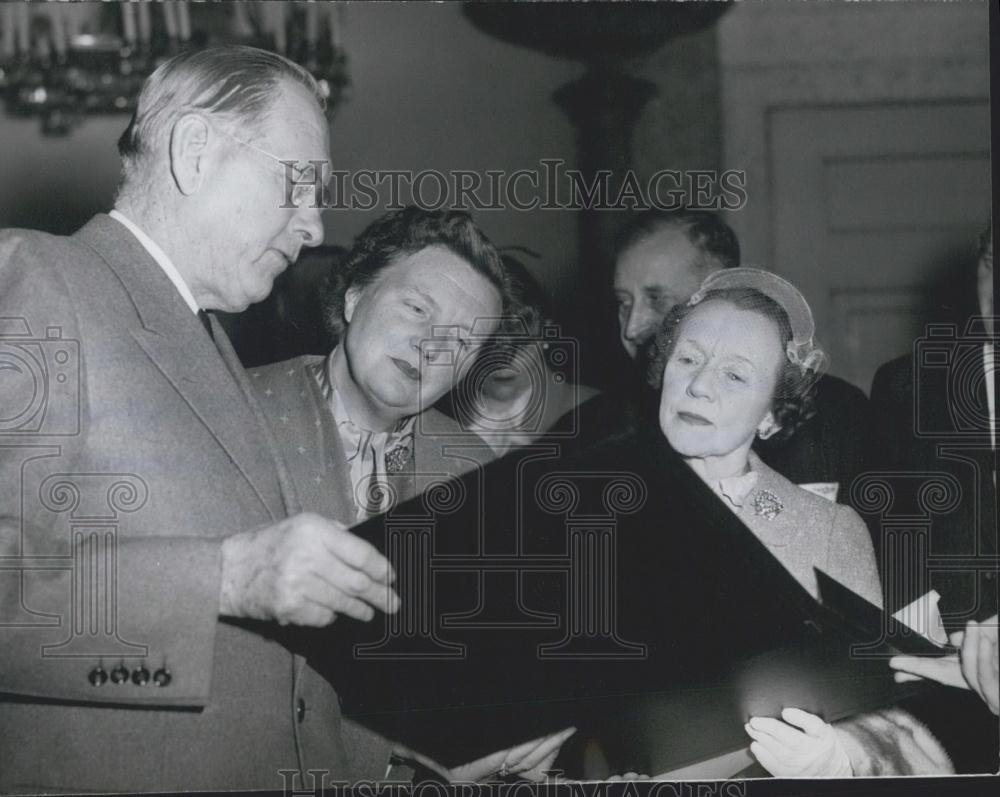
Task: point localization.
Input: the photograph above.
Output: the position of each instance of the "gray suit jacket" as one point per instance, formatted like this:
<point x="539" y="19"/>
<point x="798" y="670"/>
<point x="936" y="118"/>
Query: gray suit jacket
<point x="128" y="450"/>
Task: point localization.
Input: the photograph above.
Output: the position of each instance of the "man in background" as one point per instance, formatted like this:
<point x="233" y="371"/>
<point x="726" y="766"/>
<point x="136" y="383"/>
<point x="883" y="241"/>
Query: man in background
<point x="661" y="258"/>
<point x="933" y="424"/>
<point x="934" y="412"/>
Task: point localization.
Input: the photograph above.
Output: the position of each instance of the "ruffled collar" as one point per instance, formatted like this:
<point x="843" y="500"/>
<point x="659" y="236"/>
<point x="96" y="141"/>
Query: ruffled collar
<point x="736" y="489"/>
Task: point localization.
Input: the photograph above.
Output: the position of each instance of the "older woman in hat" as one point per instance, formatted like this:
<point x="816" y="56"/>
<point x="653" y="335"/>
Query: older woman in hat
<point x="738" y="361"/>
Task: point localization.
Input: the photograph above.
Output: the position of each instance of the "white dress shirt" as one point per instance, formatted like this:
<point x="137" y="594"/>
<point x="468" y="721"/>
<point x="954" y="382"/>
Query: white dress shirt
<point x="160" y="257"/>
<point x="991" y="400"/>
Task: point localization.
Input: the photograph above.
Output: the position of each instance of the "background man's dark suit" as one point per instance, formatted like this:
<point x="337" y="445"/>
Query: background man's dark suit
<point x="928" y="443"/>
<point x="929" y="424"/>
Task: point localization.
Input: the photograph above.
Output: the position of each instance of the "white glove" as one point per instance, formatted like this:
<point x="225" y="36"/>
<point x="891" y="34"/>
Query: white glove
<point x="787" y="752"/>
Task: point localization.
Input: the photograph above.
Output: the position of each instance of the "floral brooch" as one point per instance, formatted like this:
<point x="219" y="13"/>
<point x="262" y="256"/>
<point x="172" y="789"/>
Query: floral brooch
<point x="767" y="504"/>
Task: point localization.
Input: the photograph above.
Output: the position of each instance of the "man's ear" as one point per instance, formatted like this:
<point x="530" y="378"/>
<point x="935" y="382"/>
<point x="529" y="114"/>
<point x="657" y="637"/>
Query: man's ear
<point x="351" y="299"/>
<point x="767" y="427"/>
<point x="189" y="139"/>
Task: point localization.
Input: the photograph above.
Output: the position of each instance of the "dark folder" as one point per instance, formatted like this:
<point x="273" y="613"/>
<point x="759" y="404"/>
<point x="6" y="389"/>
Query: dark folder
<point x="882" y="632"/>
<point x="611" y="592"/>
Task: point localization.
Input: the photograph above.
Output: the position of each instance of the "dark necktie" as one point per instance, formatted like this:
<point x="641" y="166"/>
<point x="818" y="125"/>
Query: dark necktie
<point x="206" y="322"/>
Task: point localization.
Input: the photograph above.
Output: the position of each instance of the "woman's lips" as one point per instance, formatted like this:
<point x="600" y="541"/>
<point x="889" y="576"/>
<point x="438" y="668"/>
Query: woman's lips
<point x="408" y="370"/>
<point x="694" y="419"/>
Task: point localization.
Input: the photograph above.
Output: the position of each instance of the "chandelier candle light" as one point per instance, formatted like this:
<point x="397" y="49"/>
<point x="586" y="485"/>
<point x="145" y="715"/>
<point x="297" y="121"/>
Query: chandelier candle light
<point x="63" y="61"/>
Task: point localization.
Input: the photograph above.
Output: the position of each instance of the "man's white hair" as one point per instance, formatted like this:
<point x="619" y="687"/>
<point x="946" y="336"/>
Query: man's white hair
<point x="236" y="84"/>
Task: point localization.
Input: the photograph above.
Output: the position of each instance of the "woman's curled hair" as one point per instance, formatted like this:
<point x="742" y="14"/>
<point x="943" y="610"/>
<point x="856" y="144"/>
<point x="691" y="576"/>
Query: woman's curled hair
<point x="398" y="234"/>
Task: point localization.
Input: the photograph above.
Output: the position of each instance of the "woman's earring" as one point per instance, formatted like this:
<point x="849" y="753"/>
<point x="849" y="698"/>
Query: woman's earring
<point x="767" y="428"/>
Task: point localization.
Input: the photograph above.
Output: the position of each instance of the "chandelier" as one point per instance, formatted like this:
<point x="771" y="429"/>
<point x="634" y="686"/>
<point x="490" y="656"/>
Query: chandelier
<point x="62" y="61"/>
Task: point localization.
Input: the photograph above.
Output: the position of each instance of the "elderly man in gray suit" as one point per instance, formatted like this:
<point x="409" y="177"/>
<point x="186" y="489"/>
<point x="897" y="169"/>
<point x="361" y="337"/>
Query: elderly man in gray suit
<point x="150" y="540"/>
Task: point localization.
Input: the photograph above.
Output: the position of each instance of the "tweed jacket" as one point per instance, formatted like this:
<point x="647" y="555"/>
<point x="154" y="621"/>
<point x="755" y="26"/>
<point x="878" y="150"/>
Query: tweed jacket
<point x="803" y="530"/>
<point x="130" y="449"/>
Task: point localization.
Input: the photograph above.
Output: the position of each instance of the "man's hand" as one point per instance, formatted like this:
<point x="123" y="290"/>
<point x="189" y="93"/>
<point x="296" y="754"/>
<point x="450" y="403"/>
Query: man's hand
<point x="976" y="666"/>
<point x="530" y="760"/>
<point x="304" y="570"/>
<point x="787" y="752"/>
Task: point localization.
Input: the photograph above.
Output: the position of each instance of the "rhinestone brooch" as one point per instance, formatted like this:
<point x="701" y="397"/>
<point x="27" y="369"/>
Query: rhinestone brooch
<point x="767" y="504"/>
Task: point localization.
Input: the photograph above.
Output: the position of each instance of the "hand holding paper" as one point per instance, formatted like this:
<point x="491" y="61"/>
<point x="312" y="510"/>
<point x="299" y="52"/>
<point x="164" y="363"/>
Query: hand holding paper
<point x="975" y="667"/>
<point x="945" y="670"/>
<point x="786" y="751"/>
<point x="529" y="761"/>
<point x="980" y="660"/>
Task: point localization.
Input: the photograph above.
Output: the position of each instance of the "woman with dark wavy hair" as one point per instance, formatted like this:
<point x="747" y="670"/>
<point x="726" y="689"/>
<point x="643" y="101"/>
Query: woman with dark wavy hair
<point x="738" y="361"/>
<point x="410" y="306"/>
<point x="416" y="298"/>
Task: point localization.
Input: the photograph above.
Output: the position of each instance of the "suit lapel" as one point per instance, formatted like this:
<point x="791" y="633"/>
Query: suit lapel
<point x="289" y="497"/>
<point x="175" y="342"/>
<point x="336" y="487"/>
<point x="981" y="452"/>
<point x="435" y="434"/>
<point x="981" y="399"/>
<point x="427" y="464"/>
<point x="986" y="461"/>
